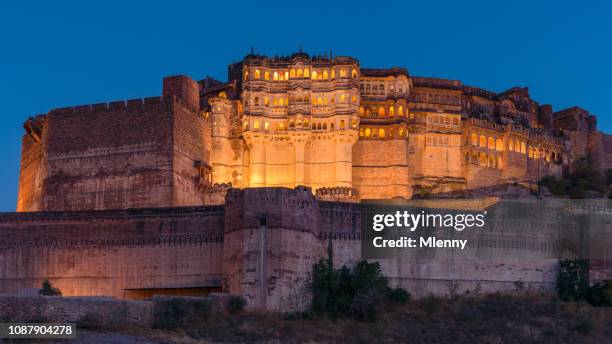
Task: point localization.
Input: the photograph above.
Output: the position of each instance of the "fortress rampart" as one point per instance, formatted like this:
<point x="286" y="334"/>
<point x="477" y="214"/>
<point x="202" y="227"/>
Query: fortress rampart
<point x="241" y="186"/>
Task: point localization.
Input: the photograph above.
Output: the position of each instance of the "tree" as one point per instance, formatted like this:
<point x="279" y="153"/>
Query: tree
<point x="48" y="289"/>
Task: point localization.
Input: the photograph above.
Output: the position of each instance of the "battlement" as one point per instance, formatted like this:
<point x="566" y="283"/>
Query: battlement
<point x="129" y="104"/>
<point x="435" y="83"/>
<point x="340" y="194"/>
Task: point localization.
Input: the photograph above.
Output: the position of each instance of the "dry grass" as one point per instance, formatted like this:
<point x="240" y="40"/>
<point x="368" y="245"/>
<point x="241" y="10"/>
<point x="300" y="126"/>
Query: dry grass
<point x="478" y="319"/>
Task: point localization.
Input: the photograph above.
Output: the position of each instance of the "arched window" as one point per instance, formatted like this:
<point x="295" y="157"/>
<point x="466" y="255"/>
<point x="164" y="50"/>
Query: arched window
<point x="306" y="124"/>
<point x="401" y="132"/>
<point x="275" y="101"/>
<point x="368" y="132"/>
<point x="341" y="124"/>
<point x="354" y="73"/>
<point x="256" y="125"/>
<point x="319" y="101"/>
<point x="281" y="102"/>
<point x="391" y="111"/>
<point x="456" y="121"/>
<point x="491" y="161"/>
<point x="245" y="126"/>
<point x="354" y="99"/>
<point x="510" y="145"/>
<point x="291" y="124"/>
<point x="343" y="73"/>
<point x="491" y="143"/>
<point x="299" y="73"/>
<point x="361" y="132"/>
<point x="246" y="75"/>
<point x="331" y="126"/>
<point x="523" y="148"/>
<point x="257" y="74"/>
<point x="306" y="73"/>
<point x="474" y="139"/>
<point x="381" y="132"/>
<point x="482" y="160"/>
<point x="286" y="75"/>
<point x="266" y="75"/>
<point x="292" y="73"/>
<point x="281" y="126"/>
<point x="256" y="100"/>
<point x="333" y="74"/>
<point x="381" y="111"/>
<point x="483" y="141"/>
<point x="361" y="110"/>
<point x="314" y="75"/>
<point x="267" y="125"/>
<point x="400" y="111"/>
<point x="530" y="150"/>
<point x="342" y="98"/>
<point x="499" y="145"/>
<point x="499" y="162"/>
<point x="275" y="76"/>
<point x="325" y="75"/>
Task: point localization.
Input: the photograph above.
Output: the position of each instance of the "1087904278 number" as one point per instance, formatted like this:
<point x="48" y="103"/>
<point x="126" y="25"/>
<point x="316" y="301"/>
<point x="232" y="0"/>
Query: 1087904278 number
<point x="28" y="330"/>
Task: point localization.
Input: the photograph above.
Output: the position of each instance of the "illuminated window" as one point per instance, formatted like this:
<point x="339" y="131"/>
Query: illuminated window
<point x="474" y="139"/>
<point x="299" y="73"/>
<point x="530" y="152"/>
<point x="456" y="121"/>
<point x="267" y="125"/>
<point x="391" y="111"/>
<point x="361" y="110"/>
<point x="354" y="99"/>
<point x="292" y="73"/>
<point x="381" y="111"/>
<point x="275" y="76"/>
<point x="319" y="101"/>
<point x="280" y="126"/>
<point x="523" y="146"/>
<point x="381" y="132"/>
<point x="256" y="125"/>
<point x="266" y="75"/>
<point x="314" y="75"/>
<point x="499" y="162"/>
<point x="510" y="145"/>
<point x="354" y="73"/>
<point x="306" y="73"/>
<point x="266" y="101"/>
<point x="342" y="97"/>
<point x="368" y="132"/>
<point x="281" y="102"/>
<point x="286" y="75"/>
<point x="482" y="160"/>
<point x="401" y="132"/>
<point x="257" y="74"/>
<point x="361" y="132"/>
<point x="275" y="101"/>
<point x="222" y="94"/>
<point x="491" y="143"/>
<point x="324" y="100"/>
<point x="400" y="111"/>
<point x="341" y="124"/>
<point x="483" y="141"/>
<point x="325" y="75"/>
<point x="245" y="126"/>
<point x="491" y="161"/>
<point x="499" y="145"/>
<point x="343" y="73"/>
<point x="246" y="75"/>
<point x="333" y="73"/>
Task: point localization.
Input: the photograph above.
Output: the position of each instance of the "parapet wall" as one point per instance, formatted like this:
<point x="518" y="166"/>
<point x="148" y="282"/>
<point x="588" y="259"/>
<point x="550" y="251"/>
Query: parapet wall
<point x="111" y="252"/>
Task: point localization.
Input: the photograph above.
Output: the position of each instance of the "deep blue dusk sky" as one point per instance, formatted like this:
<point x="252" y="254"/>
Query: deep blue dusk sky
<point x="56" y="54"/>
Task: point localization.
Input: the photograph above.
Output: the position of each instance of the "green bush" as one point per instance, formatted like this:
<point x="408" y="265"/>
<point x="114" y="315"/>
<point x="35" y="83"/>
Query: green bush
<point x="48" y="289"/>
<point x="399" y="295"/>
<point x="348" y="292"/>
<point x="600" y="294"/>
<point x="173" y="313"/>
<point x="235" y="304"/>
<point x="584" y="178"/>
<point x="573" y="279"/>
<point x="431" y="304"/>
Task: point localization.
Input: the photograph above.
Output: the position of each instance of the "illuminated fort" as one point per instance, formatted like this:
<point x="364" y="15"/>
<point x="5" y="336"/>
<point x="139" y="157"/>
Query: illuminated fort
<point x="163" y="193"/>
